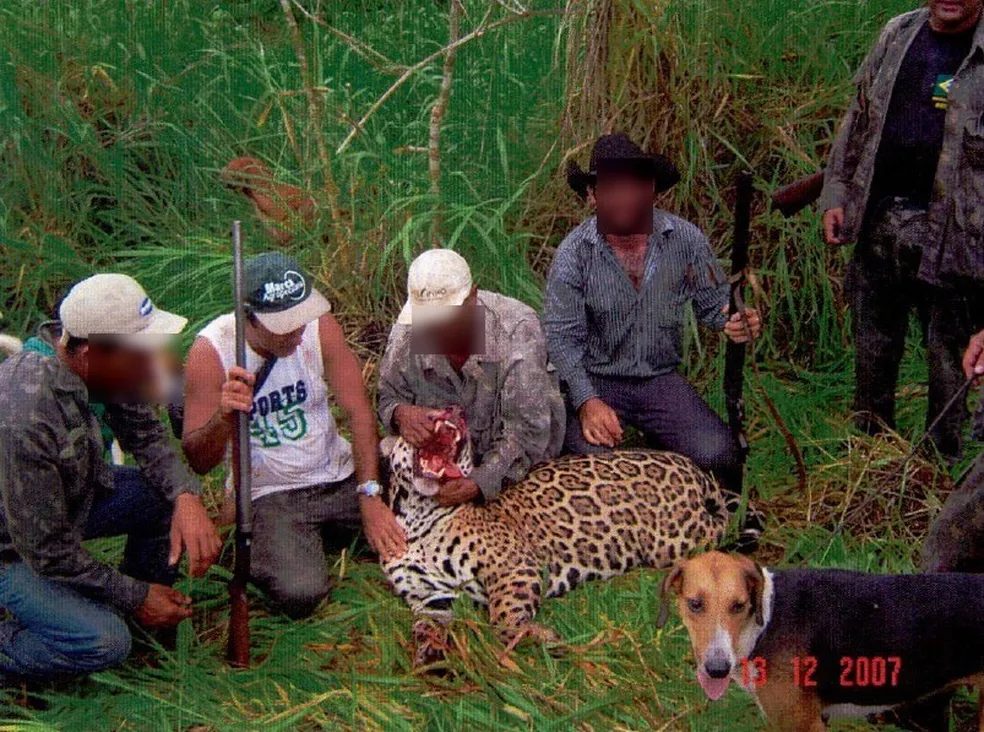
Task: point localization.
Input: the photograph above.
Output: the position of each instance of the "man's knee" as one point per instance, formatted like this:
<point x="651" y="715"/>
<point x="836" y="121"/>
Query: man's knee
<point x="155" y="511"/>
<point x="97" y="645"/>
<point x="715" y="451"/>
<point x="298" y="597"/>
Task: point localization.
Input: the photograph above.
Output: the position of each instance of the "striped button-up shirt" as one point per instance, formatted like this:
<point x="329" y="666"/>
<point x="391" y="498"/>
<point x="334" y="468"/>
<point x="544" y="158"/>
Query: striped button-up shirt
<point x="598" y="323"/>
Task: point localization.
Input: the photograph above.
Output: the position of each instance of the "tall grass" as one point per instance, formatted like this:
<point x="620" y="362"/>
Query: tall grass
<point x="121" y="116"/>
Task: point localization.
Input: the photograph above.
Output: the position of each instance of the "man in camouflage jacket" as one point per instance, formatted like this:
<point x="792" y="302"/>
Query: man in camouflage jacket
<point x="905" y="180"/>
<point x="67" y="607"/>
<point x="456" y="345"/>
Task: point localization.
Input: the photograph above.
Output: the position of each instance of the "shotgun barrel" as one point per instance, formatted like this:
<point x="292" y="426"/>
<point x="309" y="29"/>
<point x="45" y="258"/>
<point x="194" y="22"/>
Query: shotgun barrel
<point x="793" y="198"/>
<point x="238" y="651"/>
<point x="734" y="356"/>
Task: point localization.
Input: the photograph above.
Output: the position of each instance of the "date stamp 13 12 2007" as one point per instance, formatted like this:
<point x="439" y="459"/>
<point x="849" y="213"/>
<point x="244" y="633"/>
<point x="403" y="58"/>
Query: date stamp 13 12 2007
<point x="855" y="671"/>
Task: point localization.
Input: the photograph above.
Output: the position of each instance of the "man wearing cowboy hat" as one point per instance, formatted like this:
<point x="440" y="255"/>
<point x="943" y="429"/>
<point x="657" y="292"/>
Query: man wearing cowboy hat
<point x="308" y="481"/>
<point x="615" y="302"/>
<point x="456" y="345"/>
<point x="57" y="489"/>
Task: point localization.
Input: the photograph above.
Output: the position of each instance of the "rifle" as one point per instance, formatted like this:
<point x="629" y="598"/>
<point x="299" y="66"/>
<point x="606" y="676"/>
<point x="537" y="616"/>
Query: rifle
<point x="793" y="198"/>
<point x="734" y="355"/>
<point x="238" y="651"/>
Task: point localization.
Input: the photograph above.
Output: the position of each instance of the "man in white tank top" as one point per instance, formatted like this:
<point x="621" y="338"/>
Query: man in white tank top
<point x="307" y="479"/>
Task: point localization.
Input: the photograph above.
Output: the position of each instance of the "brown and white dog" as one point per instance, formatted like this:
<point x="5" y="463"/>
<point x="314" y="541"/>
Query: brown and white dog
<point x="815" y="644"/>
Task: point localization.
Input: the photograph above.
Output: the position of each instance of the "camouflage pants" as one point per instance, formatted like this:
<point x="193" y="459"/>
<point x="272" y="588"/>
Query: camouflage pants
<point x="883" y="289"/>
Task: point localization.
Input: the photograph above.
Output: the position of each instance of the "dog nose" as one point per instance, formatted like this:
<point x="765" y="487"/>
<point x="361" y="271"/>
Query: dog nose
<point x="717" y="668"/>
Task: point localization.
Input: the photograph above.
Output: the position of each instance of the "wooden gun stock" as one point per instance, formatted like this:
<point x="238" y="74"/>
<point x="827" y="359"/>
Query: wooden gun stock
<point x="799" y="194"/>
<point x="238" y="650"/>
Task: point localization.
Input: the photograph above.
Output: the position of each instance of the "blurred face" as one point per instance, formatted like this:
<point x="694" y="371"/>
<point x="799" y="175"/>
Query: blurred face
<point x="455" y="336"/>
<point x="117" y="373"/>
<point x="265" y="341"/>
<point x="954" y="15"/>
<point x="624" y="203"/>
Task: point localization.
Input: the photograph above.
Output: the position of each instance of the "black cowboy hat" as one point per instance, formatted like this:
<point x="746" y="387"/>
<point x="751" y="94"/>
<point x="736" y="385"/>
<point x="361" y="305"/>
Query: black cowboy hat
<point x="616" y="152"/>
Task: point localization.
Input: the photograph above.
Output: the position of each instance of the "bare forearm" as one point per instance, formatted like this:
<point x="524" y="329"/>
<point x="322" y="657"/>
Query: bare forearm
<point x="365" y="444"/>
<point x="206" y="447"/>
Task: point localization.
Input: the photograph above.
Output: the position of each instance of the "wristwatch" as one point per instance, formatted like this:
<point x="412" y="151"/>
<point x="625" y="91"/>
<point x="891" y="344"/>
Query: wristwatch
<point x="370" y="488"/>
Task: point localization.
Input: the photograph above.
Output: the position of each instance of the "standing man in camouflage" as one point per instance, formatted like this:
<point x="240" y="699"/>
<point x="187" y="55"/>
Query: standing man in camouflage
<point x="906" y="181"/>
<point x="67" y="607"/>
<point x="456" y="345"/>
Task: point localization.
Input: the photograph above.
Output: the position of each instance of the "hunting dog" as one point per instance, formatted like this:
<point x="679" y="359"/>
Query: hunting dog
<point x="813" y="644"/>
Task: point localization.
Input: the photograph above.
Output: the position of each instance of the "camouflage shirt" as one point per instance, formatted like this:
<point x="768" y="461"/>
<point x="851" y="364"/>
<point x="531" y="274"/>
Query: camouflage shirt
<point x="52" y="468"/>
<point x="511" y="400"/>
<point x="955" y="248"/>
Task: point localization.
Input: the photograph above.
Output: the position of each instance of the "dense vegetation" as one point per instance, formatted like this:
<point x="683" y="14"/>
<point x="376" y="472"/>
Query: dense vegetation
<point x="117" y="117"/>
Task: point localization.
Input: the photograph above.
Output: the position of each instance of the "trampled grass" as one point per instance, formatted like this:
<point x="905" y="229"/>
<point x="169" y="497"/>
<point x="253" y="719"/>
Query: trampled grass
<point x="117" y="116"/>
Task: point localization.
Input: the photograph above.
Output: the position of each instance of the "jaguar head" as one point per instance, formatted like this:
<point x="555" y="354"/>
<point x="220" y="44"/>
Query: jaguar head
<point x="439" y="458"/>
<point x="417" y="473"/>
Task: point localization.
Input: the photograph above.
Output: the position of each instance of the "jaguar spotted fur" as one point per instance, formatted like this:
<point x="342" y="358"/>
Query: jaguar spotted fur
<point x="572" y="520"/>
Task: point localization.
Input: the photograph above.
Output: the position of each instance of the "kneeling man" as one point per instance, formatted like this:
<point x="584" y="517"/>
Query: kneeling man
<point x="456" y="345"/>
<point x="616" y="297"/>
<point x="68" y="609"/>
<point x="306" y="480"/>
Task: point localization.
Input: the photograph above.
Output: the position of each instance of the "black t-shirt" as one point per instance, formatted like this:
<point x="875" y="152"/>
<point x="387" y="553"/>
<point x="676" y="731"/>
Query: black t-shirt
<point x="913" y="132"/>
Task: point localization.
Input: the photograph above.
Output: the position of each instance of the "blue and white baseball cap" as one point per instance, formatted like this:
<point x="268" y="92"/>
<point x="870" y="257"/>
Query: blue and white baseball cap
<point x="116" y="306"/>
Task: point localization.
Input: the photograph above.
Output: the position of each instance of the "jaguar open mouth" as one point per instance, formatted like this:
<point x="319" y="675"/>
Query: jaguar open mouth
<point x="436" y="458"/>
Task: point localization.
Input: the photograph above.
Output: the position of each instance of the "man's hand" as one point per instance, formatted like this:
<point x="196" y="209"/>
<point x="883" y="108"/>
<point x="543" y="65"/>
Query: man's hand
<point x="237" y="392"/>
<point x="192" y="531"/>
<point x="415" y="424"/>
<point x="744" y="326"/>
<point x="456" y="491"/>
<point x="973" y="360"/>
<point x="385" y="535"/>
<point x="599" y="423"/>
<point x="163" y="607"/>
<point x="833" y="225"/>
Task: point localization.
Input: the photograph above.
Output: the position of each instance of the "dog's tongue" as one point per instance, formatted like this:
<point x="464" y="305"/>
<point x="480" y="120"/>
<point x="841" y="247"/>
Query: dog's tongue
<point x="714" y="688"/>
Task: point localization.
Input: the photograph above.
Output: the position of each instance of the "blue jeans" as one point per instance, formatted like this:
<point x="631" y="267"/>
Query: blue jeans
<point x="58" y="632"/>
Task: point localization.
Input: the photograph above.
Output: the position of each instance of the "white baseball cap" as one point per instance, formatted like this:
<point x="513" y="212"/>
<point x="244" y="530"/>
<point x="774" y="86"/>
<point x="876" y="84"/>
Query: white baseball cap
<point x="438" y="281"/>
<point x="116" y="305"/>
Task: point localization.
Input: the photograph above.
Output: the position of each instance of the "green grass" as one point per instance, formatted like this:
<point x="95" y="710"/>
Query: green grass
<point x="118" y="116"/>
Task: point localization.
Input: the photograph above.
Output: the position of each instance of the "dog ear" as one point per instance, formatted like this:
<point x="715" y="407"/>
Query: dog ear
<point x="755" y="581"/>
<point x="673" y="581"/>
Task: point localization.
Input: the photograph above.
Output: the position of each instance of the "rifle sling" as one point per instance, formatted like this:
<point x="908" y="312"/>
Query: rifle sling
<point x="263" y="373"/>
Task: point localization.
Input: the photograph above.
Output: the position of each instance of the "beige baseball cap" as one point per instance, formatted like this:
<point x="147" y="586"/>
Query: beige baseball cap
<point x="116" y="305"/>
<point x="438" y="281"/>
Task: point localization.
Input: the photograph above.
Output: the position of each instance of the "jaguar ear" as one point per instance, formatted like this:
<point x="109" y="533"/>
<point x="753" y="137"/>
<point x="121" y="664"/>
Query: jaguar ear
<point x="671" y="583"/>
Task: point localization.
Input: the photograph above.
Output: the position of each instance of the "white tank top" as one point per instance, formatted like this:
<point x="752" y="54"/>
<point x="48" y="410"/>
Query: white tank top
<point x="295" y="442"/>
